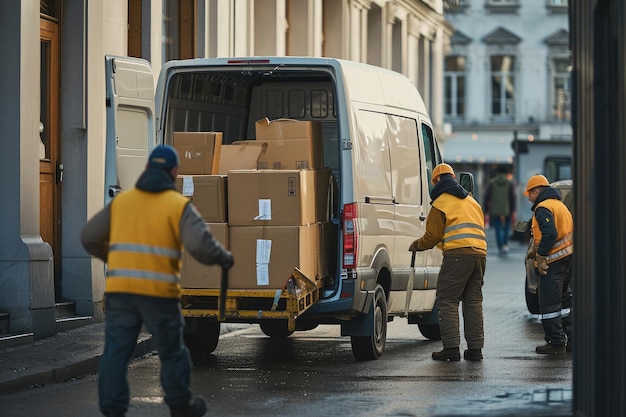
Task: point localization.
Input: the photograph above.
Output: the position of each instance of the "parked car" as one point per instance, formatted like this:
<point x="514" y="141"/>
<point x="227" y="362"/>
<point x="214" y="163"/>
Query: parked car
<point x="532" y="278"/>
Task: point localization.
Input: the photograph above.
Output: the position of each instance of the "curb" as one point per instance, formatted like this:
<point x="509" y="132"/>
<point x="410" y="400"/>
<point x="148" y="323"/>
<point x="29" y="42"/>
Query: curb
<point x="67" y="372"/>
<point x="68" y="355"/>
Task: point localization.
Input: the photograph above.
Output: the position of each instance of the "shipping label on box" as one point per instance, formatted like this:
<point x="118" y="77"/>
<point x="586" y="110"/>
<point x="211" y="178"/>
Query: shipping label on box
<point x="207" y="193"/>
<point x="277" y="197"/>
<point x="198" y="275"/>
<point x="198" y="152"/>
<point x="242" y="154"/>
<point x="265" y="257"/>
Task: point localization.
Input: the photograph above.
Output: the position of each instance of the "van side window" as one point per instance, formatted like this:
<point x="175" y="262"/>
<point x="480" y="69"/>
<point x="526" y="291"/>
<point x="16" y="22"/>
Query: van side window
<point x="405" y="160"/>
<point x="432" y="155"/>
<point x="372" y="151"/>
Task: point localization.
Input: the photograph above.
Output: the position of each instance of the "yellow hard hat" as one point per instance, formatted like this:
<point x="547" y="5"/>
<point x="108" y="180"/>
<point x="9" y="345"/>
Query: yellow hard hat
<point x="442" y="169"/>
<point x="536" y="181"/>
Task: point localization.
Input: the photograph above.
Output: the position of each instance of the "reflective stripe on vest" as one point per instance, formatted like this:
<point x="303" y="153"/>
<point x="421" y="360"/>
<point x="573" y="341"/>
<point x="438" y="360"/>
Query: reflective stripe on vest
<point x="449" y="229"/>
<point x="563" y="223"/>
<point x="144" y="249"/>
<point x="152" y="250"/>
<point x="464" y="222"/>
<point x="560" y="254"/>
<point x="136" y="273"/>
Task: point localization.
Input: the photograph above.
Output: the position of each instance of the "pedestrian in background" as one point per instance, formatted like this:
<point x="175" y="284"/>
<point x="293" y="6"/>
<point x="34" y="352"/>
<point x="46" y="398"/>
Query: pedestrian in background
<point x="140" y="235"/>
<point x="455" y="224"/>
<point x="499" y="205"/>
<point x="552" y="233"/>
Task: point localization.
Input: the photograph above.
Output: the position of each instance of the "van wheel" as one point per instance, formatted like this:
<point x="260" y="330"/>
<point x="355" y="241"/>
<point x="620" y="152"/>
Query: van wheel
<point x="277" y="329"/>
<point x="532" y="301"/>
<point x="201" y="335"/>
<point x="367" y="348"/>
<point x="430" y="331"/>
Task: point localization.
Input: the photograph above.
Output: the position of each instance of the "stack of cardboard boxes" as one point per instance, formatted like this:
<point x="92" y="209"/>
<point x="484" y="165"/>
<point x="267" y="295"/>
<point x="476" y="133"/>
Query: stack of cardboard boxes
<point x="198" y="179"/>
<point x="265" y="200"/>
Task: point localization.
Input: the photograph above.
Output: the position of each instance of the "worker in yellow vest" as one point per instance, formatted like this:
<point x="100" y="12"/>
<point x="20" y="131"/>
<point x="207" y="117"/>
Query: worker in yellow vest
<point x="140" y="235"/>
<point x="456" y="225"/>
<point x="552" y="232"/>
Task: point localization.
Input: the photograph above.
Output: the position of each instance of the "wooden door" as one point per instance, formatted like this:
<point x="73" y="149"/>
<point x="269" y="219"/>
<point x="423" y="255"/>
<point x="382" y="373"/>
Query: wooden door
<point x="50" y="168"/>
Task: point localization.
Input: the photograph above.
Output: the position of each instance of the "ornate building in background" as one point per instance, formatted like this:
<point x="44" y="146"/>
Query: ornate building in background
<point x="507" y="77"/>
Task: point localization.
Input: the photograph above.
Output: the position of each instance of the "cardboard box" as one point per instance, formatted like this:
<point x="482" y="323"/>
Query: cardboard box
<point x="280" y="129"/>
<point x="208" y="194"/>
<point x="243" y="154"/>
<point x="198" y="152"/>
<point x="292" y="154"/>
<point x="278" y="197"/>
<point x="265" y="257"/>
<point x="194" y="274"/>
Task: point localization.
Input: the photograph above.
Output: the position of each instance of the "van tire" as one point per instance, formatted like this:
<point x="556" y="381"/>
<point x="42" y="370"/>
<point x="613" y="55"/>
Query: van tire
<point x="202" y="336"/>
<point x="367" y="348"/>
<point x="532" y="301"/>
<point x="430" y="331"/>
<point x="276" y="329"/>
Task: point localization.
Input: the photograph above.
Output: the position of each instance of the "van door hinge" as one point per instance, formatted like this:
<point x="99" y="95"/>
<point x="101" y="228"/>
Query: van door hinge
<point x="114" y="190"/>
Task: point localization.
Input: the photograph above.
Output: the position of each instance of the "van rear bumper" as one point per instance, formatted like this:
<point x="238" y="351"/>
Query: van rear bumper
<point x="355" y="297"/>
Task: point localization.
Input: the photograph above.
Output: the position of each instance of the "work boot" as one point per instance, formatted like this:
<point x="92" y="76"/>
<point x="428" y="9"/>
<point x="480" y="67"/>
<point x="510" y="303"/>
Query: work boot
<point x="195" y="408"/>
<point x="550" y="349"/>
<point x="473" y="355"/>
<point x="447" y="354"/>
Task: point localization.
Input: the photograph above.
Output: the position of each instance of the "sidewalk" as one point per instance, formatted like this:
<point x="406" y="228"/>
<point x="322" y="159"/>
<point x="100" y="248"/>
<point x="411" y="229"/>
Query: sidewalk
<point x="67" y="355"/>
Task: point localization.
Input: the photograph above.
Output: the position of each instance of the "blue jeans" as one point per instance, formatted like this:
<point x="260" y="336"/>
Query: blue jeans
<point x="502" y="229"/>
<point x="125" y="314"/>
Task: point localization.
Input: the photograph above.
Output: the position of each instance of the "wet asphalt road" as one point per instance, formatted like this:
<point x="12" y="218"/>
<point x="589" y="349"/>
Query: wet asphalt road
<point x="314" y="373"/>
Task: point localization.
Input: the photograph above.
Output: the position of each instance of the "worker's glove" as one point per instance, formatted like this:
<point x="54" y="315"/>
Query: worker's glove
<point x="542" y="264"/>
<point x="532" y="252"/>
<point x="414" y="246"/>
<point x="227" y="261"/>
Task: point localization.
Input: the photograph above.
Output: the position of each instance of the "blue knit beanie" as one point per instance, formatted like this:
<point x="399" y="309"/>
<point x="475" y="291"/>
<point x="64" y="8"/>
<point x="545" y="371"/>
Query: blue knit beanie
<point x="164" y="157"/>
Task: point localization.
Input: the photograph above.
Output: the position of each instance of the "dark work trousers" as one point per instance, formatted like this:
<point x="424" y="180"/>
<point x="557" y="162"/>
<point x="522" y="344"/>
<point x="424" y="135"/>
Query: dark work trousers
<point x="461" y="280"/>
<point x="555" y="301"/>
<point x="125" y="314"/>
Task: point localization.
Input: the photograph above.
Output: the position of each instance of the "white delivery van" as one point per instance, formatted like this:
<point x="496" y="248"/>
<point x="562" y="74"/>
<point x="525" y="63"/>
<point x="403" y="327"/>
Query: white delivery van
<point x="379" y="146"/>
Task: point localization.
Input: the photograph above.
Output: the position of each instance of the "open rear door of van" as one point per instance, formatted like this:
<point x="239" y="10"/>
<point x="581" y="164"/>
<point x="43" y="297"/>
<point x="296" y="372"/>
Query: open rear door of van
<point x="130" y="134"/>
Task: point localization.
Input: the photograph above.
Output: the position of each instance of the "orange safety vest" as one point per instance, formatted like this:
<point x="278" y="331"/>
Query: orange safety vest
<point x="564" y="245"/>
<point x="145" y="247"/>
<point x="465" y="222"/>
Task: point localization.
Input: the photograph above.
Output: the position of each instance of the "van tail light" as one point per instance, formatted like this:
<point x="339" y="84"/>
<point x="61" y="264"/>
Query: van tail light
<point x="350" y="236"/>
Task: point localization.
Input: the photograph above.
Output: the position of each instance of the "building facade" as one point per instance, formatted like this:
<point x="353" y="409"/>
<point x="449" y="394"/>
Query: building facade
<point x="507" y="84"/>
<point x="53" y="125"/>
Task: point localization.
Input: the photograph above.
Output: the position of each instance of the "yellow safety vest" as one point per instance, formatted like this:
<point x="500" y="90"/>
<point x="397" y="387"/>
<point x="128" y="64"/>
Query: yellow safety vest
<point x="564" y="224"/>
<point x="145" y="248"/>
<point x="465" y="222"/>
